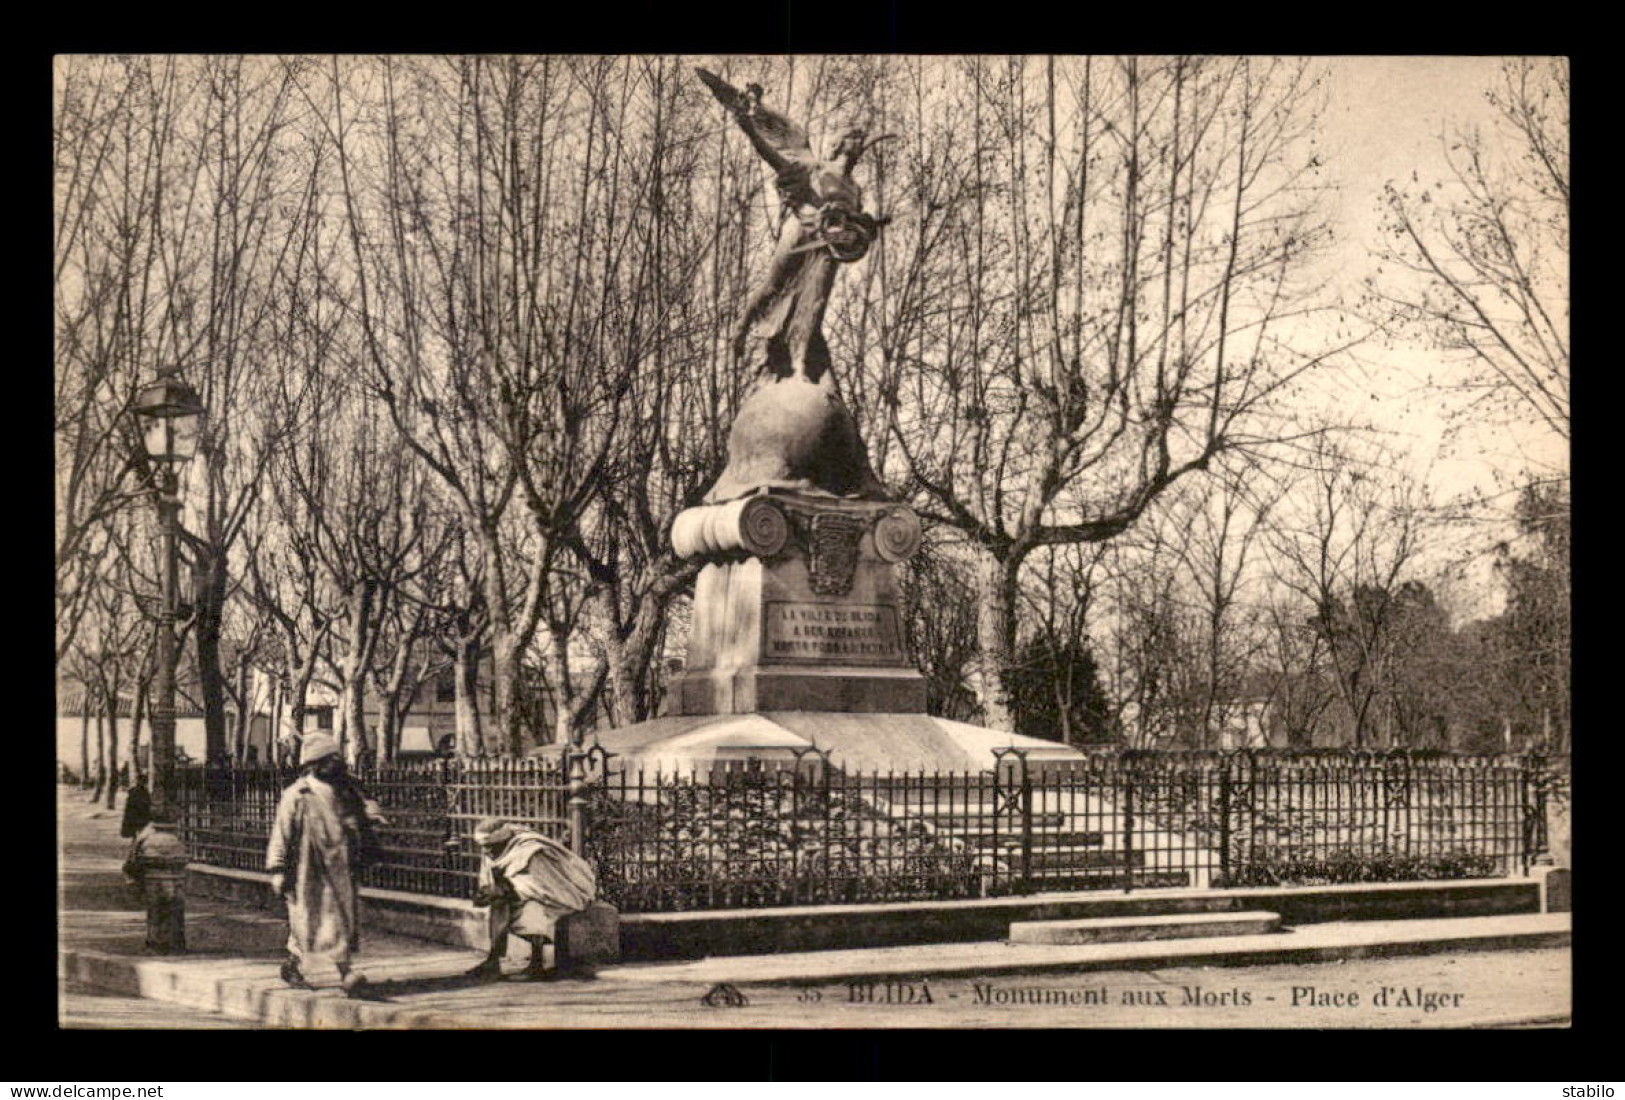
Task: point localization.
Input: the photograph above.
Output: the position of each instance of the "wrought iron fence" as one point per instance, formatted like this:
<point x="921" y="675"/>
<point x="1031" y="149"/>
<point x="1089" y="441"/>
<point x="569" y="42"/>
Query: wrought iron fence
<point x="737" y="836"/>
<point x="755" y="834"/>
<point x="225" y="815"/>
<point x="1256" y="818"/>
<point x="750" y="834"/>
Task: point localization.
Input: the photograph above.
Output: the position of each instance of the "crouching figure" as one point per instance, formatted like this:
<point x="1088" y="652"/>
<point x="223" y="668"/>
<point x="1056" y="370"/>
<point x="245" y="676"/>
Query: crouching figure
<point x="530" y="883"/>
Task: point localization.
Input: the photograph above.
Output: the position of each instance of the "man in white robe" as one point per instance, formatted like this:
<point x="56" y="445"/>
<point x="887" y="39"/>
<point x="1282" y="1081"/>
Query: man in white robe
<point x="322" y="835"/>
<point x="530" y="881"/>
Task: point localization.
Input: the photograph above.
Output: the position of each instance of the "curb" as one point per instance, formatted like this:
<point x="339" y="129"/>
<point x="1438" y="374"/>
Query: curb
<point x="1237" y="956"/>
<point x="254" y="993"/>
<point x="247" y="997"/>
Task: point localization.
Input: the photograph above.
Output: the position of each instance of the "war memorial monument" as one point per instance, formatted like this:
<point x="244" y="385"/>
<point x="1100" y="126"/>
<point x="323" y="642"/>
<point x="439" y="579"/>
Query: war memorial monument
<point x="797" y="639"/>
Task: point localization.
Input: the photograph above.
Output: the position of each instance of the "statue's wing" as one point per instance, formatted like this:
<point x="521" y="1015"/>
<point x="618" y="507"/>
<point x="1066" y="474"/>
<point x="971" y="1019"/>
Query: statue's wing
<point x="774" y="135"/>
<point x="729" y="96"/>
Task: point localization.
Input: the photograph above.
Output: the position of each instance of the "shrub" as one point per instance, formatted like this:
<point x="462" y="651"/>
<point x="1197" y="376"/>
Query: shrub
<point x="693" y="846"/>
<point x="1285" y="867"/>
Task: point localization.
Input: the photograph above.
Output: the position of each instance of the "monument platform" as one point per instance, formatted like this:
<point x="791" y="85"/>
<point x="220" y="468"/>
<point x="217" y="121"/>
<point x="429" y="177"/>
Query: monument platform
<point x="855" y="742"/>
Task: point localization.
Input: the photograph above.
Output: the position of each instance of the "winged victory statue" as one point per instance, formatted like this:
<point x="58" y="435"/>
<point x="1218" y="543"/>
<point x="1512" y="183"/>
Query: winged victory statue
<point x="792" y="430"/>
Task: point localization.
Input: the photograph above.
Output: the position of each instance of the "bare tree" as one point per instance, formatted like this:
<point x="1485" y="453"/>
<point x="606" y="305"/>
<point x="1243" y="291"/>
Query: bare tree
<point x="1352" y="533"/>
<point x="1094" y="301"/>
<point x="1148" y="627"/>
<point x="109" y="658"/>
<point x="1301" y="685"/>
<point x="1060" y="693"/>
<point x="1221" y="560"/>
<point x="171" y="245"/>
<point x="939" y="626"/>
<point x="451" y="224"/>
<point x="109" y="113"/>
<point x="1482" y="256"/>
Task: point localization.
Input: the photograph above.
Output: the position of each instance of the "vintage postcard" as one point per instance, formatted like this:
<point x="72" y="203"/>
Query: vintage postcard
<point x="812" y="541"/>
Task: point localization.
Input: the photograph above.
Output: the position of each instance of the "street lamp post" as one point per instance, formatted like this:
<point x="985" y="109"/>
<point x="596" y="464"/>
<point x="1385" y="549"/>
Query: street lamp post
<point x="170" y="413"/>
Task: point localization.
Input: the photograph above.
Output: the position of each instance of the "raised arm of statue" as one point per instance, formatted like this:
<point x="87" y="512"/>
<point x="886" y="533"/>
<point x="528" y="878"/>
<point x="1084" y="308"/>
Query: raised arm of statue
<point x="780" y="141"/>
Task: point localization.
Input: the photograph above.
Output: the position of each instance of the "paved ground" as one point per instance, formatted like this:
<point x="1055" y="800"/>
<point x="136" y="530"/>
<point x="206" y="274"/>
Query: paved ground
<point x="81" y="1006"/>
<point x="231" y="964"/>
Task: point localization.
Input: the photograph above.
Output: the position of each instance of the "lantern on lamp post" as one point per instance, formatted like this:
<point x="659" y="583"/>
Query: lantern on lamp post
<point x="170" y="413"/>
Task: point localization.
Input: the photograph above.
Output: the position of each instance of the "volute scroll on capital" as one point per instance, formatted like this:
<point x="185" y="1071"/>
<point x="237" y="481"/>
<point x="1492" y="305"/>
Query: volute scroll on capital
<point x="897" y="535"/>
<point x="751" y="525"/>
<point x="766" y="526"/>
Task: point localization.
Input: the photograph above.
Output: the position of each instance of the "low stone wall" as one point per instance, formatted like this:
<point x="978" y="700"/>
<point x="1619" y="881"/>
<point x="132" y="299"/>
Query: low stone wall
<point x="591" y="937"/>
<point x="440" y="920"/>
<point x="653" y="936"/>
<point x="765" y="931"/>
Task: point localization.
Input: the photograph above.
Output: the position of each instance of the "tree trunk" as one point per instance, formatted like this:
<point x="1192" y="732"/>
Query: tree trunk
<point x="84" y="738"/>
<point x="638" y="652"/>
<point x="507" y="684"/>
<point x="111" y="706"/>
<point x="388" y="727"/>
<point x="563" y="718"/>
<point x="296" y="704"/>
<point x="623" y="694"/>
<point x="466" y="668"/>
<point x="101" y="750"/>
<point x="394" y="701"/>
<point x="573" y="700"/>
<point x="995" y="634"/>
<point x="273" y="751"/>
<point x="352" y="732"/>
<point x="143" y="686"/>
<point x="299" y="677"/>
<point x="240" y="735"/>
<point x="210" y="606"/>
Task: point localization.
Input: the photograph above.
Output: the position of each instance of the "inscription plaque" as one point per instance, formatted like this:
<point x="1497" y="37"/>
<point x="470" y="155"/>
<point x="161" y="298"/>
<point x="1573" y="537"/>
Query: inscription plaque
<point x="831" y="632"/>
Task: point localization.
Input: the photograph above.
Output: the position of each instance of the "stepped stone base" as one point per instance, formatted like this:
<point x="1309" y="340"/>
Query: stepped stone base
<point x="1179" y="926"/>
<point x="864" y="742"/>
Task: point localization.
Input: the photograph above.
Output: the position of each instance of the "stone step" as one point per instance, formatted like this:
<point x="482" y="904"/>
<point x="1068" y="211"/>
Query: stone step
<point x="1046" y="839"/>
<point x="1066" y="859"/>
<point x="1179" y="926"/>
<point x="1108" y="878"/>
<point x="961" y="821"/>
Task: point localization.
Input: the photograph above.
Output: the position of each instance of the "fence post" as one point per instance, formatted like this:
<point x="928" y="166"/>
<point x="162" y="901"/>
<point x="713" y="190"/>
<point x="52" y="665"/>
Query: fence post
<point x="1126" y="773"/>
<point x="1026" y="825"/>
<point x="450" y="842"/>
<point x="1224" y="819"/>
<point x="1534" y="804"/>
<point x="581" y="763"/>
<point x="1252" y="796"/>
<point x="1406" y="800"/>
<point x="576" y="770"/>
<point x="1386" y="786"/>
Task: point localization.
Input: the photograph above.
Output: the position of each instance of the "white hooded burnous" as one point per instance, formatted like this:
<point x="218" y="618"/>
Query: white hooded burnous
<point x="530" y="881"/>
<point x="321" y="837"/>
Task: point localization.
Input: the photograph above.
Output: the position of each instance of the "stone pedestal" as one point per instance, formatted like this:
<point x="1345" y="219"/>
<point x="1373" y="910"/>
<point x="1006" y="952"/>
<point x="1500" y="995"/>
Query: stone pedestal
<point x="589" y="938"/>
<point x="797" y="645"/>
<point x="797" y="608"/>
<point x="161" y="869"/>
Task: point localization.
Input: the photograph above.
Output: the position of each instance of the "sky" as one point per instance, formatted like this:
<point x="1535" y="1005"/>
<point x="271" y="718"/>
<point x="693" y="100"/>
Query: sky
<point x="1384" y="120"/>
